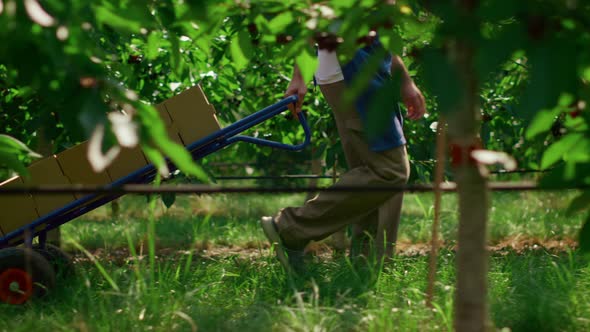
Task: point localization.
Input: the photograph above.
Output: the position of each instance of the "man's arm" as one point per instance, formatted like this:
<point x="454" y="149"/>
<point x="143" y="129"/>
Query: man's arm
<point x="296" y="86"/>
<point x="411" y="95"/>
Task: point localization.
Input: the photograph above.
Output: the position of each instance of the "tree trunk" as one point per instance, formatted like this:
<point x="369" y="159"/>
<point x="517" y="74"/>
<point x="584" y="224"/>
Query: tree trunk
<point x="471" y="288"/>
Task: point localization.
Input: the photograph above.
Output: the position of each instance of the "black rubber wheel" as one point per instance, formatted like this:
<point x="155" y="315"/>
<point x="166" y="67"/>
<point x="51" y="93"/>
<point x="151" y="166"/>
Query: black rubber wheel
<point x="24" y="273"/>
<point x="60" y="261"/>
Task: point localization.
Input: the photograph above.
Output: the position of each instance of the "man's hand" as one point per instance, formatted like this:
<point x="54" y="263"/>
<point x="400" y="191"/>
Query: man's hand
<point x="413" y="99"/>
<point x="411" y="95"/>
<point x="296" y="86"/>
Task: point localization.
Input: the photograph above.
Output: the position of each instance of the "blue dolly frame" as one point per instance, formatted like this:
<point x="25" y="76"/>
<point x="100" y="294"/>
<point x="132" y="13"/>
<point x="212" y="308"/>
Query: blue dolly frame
<point x="199" y="149"/>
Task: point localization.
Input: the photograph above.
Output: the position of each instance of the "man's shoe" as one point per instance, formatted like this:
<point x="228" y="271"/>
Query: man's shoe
<point x="292" y="260"/>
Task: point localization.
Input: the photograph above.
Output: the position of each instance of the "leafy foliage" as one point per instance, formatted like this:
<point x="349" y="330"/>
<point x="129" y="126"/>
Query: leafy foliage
<point x="65" y="64"/>
<point x="11" y="150"/>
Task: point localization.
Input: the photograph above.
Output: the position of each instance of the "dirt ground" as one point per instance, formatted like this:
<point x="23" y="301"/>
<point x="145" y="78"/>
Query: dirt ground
<point x="517" y="244"/>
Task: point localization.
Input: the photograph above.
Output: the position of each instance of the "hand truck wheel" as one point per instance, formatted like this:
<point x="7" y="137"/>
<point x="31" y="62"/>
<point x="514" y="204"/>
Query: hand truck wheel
<point x="24" y="274"/>
<point x="59" y="260"/>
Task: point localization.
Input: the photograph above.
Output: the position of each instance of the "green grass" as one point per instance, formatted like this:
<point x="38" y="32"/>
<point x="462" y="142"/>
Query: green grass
<point x="536" y="291"/>
<point x="232" y="219"/>
<point x="209" y="290"/>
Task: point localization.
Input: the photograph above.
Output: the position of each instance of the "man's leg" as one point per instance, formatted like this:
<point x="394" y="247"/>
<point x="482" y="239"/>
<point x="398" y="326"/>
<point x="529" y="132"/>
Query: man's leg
<point x="380" y="226"/>
<point x="364" y="233"/>
<point x="378" y="230"/>
<point x="331" y="211"/>
<point x="389" y="219"/>
<point x="344" y="115"/>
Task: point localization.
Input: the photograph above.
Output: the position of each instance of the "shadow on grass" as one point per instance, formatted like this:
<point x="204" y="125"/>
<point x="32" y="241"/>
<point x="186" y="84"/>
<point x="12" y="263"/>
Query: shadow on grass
<point x="329" y="296"/>
<point x="530" y="291"/>
<point x="535" y="291"/>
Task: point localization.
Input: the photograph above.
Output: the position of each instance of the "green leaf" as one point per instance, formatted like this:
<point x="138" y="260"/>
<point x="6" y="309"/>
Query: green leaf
<point x="307" y="64"/>
<point x="176" y="60"/>
<point x="168" y="199"/>
<point x="11" y="162"/>
<point x="153" y="45"/>
<point x="567" y="175"/>
<point x="381" y="110"/>
<point x="579" y="203"/>
<point x="156" y="158"/>
<point x="586" y="74"/>
<point x="158" y="142"/>
<point x="553" y="72"/>
<point x="441" y="79"/>
<point x="182" y="159"/>
<point x="107" y="16"/>
<point x="499" y="9"/>
<point x="557" y="150"/>
<point x="542" y="122"/>
<point x="281" y="21"/>
<point x="585" y="236"/>
<point x="544" y="119"/>
<point x="392" y="41"/>
<point x="12" y="153"/>
<point x="565" y="99"/>
<point x="579" y="153"/>
<point x="318" y="153"/>
<point x="367" y="70"/>
<point x="491" y="53"/>
<point x="11" y="144"/>
<point x="241" y="49"/>
<point x="240" y="61"/>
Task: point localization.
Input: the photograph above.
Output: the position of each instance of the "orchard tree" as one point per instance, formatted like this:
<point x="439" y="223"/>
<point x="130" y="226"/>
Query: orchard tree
<point x="474" y="39"/>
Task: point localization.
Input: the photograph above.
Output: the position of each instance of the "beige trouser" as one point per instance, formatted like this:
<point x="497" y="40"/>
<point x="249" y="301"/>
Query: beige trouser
<point x="376" y="215"/>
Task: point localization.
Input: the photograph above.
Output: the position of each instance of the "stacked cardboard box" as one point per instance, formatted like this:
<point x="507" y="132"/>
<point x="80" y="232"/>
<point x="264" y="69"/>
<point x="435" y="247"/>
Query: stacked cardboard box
<point x="15" y="210"/>
<point x="170" y="127"/>
<point x="192" y="115"/>
<point x="188" y="117"/>
<point x="48" y="172"/>
<point x="76" y="167"/>
<point x="127" y="162"/>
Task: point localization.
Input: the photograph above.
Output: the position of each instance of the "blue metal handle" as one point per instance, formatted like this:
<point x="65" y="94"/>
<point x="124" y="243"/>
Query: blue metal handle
<point x="277" y="108"/>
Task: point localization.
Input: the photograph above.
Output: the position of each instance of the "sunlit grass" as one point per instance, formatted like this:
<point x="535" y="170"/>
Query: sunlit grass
<point x="232" y="220"/>
<point x="530" y="291"/>
<point x="187" y="287"/>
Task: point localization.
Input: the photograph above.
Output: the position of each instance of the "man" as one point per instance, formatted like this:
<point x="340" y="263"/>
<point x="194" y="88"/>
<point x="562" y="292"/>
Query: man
<point x="373" y="159"/>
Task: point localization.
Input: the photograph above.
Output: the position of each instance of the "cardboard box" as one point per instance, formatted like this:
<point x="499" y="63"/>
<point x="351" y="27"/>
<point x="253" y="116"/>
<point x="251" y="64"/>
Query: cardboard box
<point x="161" y="107"/>
<point x="192" y="114"/>
<point x="127" y="162"/>
<point x="170" y="128"/>
<point x="76" y="167"/>
<point x="48" y="172"/>
<point x="173" y="134"/>
<point x="15" y="210"/>
<point x="191" y="98"/>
